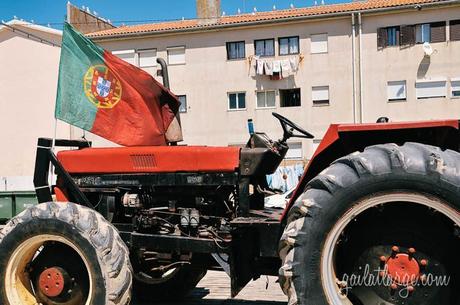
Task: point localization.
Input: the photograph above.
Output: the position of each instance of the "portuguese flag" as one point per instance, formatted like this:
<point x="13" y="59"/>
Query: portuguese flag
<point x="107" y="96"/>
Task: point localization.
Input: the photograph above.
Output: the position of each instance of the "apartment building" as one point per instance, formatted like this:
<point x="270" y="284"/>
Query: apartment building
<point x="357" y="62"/>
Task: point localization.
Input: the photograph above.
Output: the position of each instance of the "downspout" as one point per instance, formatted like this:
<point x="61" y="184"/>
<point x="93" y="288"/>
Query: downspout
<point x="353" y="62"/>
<point x="361" y="106"/>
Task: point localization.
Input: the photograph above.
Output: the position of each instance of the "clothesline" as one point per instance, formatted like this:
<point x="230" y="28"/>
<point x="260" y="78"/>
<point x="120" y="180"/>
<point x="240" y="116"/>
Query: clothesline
<point x="275" y="68"/>
<point x="286" y="177"/>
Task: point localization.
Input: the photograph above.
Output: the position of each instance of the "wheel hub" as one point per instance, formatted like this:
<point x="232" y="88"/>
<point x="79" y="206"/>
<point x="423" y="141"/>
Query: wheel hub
<point x="52" y="281"/>
<point x="403" y="268"/>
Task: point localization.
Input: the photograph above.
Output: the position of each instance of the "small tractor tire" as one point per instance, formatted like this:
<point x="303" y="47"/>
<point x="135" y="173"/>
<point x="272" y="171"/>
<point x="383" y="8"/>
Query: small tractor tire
<point x="63" y="254"/>
<point x="381" y="207"/>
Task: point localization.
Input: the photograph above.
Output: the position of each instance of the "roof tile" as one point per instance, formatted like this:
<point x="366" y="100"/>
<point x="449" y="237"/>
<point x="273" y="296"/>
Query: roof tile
<point x="242" y="19"/>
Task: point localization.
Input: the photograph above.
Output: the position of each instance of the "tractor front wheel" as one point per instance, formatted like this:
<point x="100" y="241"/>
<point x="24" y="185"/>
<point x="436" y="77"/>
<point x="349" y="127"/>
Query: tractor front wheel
<point x="63" y="254"/>
<point x="377" y="227"/>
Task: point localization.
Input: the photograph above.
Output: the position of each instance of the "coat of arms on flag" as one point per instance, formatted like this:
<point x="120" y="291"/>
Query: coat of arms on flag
<point x="101" y="87"/>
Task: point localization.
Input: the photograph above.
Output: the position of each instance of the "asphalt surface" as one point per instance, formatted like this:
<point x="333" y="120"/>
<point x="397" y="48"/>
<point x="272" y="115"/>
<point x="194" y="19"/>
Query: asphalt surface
<point x="214" y="289"/>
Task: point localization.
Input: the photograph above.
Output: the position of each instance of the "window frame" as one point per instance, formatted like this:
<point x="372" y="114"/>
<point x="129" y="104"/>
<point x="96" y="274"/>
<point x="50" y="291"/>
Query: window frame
<point x="281" y="92"/>
<point x="140" y="51"/>
<point x="236" y="42"/>
<point x="265" y="95"/>
<point x="237" y="93"/>
<point x="431" y="81"/>
<point x="452" y="81"/>
<point x="127" y="51"/>
<point x="176" y="48"/>
<point x="289" y="45"/>
<point x="327" y="43"/>
<point x="421" y="28"/>
<point x="185" y="109"/>
<point x="294" y="146"/>
<point x="265" y="47"/>
<point x="395" y="100"/>
<point x="320" y="103"/>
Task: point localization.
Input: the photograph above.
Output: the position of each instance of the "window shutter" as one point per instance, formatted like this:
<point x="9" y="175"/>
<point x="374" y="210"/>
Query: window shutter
<point x="382" y="38"/>
<point x="438" y="32"/>
<point x="407" y="34"/>
<point x="454" y="29"/>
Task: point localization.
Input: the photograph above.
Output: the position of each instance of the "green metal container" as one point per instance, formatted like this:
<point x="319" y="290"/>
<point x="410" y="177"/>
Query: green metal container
<point x="24" y="200"/>
<point x="6" y="205"/>
<point x="13" y="203"/>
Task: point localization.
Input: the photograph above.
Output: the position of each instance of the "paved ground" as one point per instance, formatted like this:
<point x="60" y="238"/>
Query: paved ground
<point x="214" y="289"/>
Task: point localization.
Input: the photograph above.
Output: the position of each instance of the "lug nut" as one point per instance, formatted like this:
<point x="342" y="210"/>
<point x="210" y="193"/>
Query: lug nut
<point x="393" y="288"/>
<point x="383" y="261"/>
<point x="411" y="252"/>
<point x="394" y="251"/>
<point x="410" y="289"/>
<point x="423" y="263"/>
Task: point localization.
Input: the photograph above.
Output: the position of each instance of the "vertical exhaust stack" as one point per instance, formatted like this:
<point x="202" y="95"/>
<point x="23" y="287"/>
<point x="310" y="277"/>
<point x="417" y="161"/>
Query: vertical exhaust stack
<point x="207" y="11"/>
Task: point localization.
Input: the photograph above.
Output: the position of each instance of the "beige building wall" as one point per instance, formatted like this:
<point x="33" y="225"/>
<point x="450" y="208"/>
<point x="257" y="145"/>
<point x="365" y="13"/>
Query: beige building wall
<point x="208" y="76"/>
<point x="409" y="64"/>
<point x="28" y="82"/>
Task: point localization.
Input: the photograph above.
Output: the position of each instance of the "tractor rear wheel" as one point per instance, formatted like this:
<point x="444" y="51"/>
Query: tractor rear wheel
<point x="377" y="227"/>
<point x="63" y="254"/>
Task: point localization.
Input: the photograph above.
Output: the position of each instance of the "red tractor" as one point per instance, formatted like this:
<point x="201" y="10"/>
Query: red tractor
<point x="374" y="220"/>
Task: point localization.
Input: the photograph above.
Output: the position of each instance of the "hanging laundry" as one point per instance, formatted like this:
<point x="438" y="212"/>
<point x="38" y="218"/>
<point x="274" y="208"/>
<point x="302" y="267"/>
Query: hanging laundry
<point x="253" y="66"/>
<point x="294" y="61"/>
<point x="268" y="65"/>
<point x="260" y="67"/>
<point x="285" y="68"/>
<point x="276" y="66"/>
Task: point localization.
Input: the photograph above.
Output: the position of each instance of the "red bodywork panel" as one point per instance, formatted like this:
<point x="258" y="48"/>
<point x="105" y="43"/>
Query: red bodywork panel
<point x="151" y="159"/>
<point x="343" y="139"/>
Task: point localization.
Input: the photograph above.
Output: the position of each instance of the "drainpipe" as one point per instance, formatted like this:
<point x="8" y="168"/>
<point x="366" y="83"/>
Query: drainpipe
<point x="353" y="62"/>
<point x="361" y="100"/>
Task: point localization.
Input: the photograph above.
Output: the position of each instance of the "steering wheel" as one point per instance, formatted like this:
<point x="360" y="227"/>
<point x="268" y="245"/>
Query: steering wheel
<point x="289" y="127"/>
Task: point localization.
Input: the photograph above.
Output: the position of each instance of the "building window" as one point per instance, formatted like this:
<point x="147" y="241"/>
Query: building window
<point x="265" y="47"/>
<point x="294" y="152"/>
<point x="126" y="55"/>
<point x="388" y="36"/>
<point x="396" y="90"/>
<point x="455" y="87"/>
<point x="429" y="89"/>
<point x="422" y="33"/>
<point x="290" y="97"/>
<point x="454" y="26"/>
<point x="289" y="45"/>
<point x="318" y="43"/>
<point x="237" y="101"/>
<point x="320" y="95"/>
<point x="176" y="55"/>
<point x="265" y="99"/>
<point x="147" y="58"/>
<point x="236" y="50"/>
<point x="183" y="103"/>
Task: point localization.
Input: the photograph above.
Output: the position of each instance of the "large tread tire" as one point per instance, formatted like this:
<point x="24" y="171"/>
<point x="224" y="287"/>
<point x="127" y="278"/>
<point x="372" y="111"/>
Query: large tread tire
<point x="176" y="288"/>
<point x="414" y="167"/>
<point x="99" y="241"/>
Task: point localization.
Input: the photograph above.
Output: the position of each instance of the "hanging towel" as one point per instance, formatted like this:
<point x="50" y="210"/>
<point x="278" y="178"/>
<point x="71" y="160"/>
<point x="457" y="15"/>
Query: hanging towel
<point x="285" y="68"/>
<point x="253" y="66"/>
<point x="260" y="67"/>
<point x="268" y="68"/>
<point x="276" y="66"/>
<point x="294" y="61"/>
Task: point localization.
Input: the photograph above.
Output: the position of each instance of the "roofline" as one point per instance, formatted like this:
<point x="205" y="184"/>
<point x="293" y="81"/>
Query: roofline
<point x="275" y="21"/>
<point x="31" y="26"/>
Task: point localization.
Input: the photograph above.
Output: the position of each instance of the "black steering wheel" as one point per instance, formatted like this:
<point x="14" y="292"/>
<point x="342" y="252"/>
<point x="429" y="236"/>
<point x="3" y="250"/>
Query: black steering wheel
<point x="289" y="127"/>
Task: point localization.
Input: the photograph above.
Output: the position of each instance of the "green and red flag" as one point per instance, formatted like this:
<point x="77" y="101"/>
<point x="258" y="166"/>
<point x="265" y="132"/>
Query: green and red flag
<point x="107" y="96"/>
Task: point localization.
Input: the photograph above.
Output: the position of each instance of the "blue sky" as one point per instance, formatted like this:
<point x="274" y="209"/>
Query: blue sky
<point x="118" y="11"/>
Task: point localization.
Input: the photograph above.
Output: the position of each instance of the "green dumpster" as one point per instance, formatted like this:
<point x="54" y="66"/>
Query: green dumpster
<point x="13" y="203"/>
<point x="6" y="206"/>
<point x="24" y="200"/>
